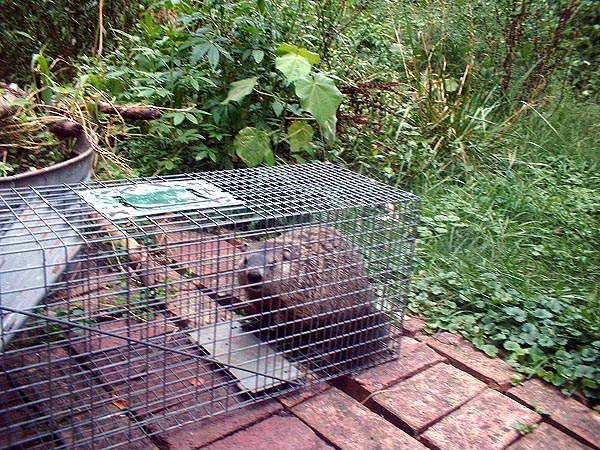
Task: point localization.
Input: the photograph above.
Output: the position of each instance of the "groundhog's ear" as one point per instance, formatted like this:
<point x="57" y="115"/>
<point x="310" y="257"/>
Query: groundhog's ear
<point x="288" y="255"/>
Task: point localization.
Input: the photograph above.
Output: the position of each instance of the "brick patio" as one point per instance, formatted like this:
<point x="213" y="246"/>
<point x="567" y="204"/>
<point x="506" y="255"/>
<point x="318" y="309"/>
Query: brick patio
<point x="441" y="394"/>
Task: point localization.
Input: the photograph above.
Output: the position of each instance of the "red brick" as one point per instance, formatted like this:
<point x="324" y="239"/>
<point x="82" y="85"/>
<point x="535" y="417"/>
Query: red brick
<point x="81" y="410"/>
<point x="274" y="433"/>
<point x="565" y="413"/>
<point x="449" y="338"/>
<point x="293" y="398"/>
<point x="104" y="427"/>
<point x="414" y="357"/>
<point x="98" y="340"/>
<point x="492" y="371"/>
<point x="349" y="425"/>
<point x="546" y="437"/>
<point x="16" y="425"/>
<point x="197" y="434"/>
<point x="487" y="422"/>
<point x="419" y="401"/>
<point x="408" y="345"/>
<point x="413" y="327"/>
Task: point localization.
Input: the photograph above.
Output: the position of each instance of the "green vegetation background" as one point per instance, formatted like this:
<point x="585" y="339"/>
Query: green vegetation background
<point x="486" y="109"/>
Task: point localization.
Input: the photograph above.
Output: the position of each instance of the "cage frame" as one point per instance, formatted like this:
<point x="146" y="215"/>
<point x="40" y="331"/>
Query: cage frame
<point x="261" y="204"/>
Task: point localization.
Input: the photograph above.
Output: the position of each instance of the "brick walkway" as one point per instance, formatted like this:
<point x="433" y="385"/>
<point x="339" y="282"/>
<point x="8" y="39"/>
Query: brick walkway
<point x="441" y="394"/>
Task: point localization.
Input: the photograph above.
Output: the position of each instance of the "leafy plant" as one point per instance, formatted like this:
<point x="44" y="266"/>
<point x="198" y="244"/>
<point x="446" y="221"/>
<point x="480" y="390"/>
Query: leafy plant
<point x="63" y="28"/>
<point x="510" y="258"/>
<point x="229" y="96"/>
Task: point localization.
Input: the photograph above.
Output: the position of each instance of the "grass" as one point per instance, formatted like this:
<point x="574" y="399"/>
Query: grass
<point x="510" y="256"/>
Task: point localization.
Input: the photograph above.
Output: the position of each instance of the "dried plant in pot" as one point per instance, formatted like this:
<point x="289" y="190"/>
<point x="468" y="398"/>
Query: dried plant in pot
<point x="41" y="144"/>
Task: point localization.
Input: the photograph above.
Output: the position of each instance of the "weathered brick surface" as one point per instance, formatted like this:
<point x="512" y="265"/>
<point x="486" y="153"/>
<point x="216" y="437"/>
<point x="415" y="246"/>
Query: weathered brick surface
<point x="487" y="422"/>
<point x="293" y="398"/>
<point x="417" y="402"/>
<point x="197" y="434"/>
<point x="92" y="342"/>
<point x="413" y="327"/>
<point x="14" y="431"/>
<point x="274" y="433"/>
<point x="72" y="405"/>
<point x="349" y="425"/>
<point x="565" y="413"/>
<point x="104" y="427"/>
<point x="546" y="437"/>
<point x="414" y="357"/>
<point x="493" y="371"/>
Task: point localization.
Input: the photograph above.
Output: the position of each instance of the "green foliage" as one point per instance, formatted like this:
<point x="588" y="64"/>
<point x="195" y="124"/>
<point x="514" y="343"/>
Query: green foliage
<point x="511" y="258"/>
<point x="229" y="86"/>
<point x="65" y="29"/>
<point x="583" y="33"/>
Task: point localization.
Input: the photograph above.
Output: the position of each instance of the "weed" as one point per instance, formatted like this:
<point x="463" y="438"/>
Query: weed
<point x="510" y="259"/>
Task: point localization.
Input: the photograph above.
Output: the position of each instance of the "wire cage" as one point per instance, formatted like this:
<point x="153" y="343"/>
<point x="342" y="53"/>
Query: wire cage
<point x="129" y="308"/>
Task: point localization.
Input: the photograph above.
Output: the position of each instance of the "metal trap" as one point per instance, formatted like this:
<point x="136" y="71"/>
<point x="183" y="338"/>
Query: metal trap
<point x="129" y="308"/>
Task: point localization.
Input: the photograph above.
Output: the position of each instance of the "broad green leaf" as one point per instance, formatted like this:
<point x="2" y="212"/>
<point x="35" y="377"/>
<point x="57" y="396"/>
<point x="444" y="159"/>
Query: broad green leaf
<point x="191" y="118"/>
<point x="213" y="56"/>
<point x="270" y="158"/>
<point x="328" y="128"/>
<point x="19" y="101"/>
<point x="258" y="56"/>
<point x="264" y="6"/>
<point x="517" y="313"/>
<point x="198" y="52"/>
<point x="396" y="49"/>
<point x="277" y="107"/>
<point x="284" y="49"/>
<point x="252" y="145"/>
<point x="178" y="118"/>
<point x="319" y="96"/>
<point x="293" y="66"/>
<point x="300" y="136"/>
<point x="490" y="350"/>
<point x="240" y="89"/>
<point x="511" y="345"/>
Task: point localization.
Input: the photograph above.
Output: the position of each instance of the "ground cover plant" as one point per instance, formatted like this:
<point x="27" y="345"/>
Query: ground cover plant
<point x="488" y="110"/>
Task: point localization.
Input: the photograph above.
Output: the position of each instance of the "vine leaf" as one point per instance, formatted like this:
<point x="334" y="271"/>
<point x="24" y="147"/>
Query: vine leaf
<point x="240" y="89"/>
<point x="300" y="136"/>
<point x="293" y="66"/>
<point x="311" y="57"/>
<point x="319" y="96"/>
<point x="252" y="145"/>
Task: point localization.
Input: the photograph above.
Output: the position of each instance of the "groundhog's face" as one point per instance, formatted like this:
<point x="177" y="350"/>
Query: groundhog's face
<point x="262" y="265"/>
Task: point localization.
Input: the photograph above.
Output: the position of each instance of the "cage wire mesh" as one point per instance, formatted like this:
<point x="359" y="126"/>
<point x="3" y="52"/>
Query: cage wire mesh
<point x="129" y="308"/>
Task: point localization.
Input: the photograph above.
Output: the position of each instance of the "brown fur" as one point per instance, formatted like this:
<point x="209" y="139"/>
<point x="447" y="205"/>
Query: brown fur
<point x="311" y="278"/>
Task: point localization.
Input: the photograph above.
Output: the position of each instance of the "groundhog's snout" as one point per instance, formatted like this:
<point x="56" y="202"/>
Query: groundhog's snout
<point x="254" y="276"/>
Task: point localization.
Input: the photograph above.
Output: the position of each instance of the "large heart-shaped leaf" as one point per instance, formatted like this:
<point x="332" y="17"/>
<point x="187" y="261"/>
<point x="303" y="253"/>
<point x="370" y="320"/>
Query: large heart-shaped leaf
<point x="283" y="49"/>
<point x="239" y="89"/>
<point x="293" y="66"/>
<point x="319" y="96"/>
<point x="252" y="145"/>
<point x="300" y="136"/>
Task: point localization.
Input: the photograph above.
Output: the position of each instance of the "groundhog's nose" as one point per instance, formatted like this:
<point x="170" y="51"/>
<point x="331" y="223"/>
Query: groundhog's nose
<point x="254" y="276"/>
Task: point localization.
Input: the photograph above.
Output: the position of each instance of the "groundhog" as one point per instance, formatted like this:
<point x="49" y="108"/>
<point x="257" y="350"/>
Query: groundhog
<point x="308" y="289"/>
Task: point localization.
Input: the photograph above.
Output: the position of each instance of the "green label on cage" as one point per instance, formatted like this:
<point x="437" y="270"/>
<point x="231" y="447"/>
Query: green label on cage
<point x="154" y="198"/>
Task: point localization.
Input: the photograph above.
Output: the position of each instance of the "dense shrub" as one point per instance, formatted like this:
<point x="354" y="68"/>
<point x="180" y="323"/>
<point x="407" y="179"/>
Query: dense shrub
<point x="62" y="29"/>
<point x="584" y="34"/>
